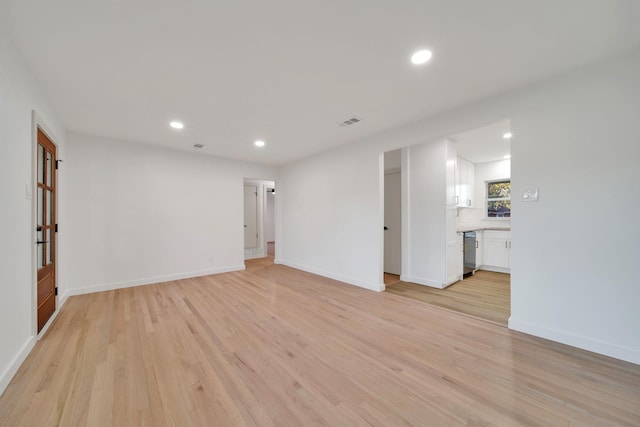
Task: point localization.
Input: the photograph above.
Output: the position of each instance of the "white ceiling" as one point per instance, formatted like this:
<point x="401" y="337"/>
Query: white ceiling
<point x="288" y="71"/>
<point x="484" y="144"/>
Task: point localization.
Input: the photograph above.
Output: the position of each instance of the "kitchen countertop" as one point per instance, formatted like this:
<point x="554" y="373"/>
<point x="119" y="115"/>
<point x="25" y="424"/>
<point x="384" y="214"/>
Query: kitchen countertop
<point x="465" y="229"/>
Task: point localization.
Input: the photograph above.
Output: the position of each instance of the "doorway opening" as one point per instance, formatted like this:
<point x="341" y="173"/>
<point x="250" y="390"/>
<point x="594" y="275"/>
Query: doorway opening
<point x="259" y="218"/>
<point x="270" y="220"/>
<point x="457" y="198"/>
<point x="392" y="264"/>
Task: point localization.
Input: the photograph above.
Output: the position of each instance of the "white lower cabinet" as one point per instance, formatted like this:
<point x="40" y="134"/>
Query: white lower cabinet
<point x="496" y="251"/>
<point x="479" y="248"/>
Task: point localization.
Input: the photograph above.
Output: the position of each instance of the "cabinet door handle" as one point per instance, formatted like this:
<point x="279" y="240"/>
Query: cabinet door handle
<point x="476" y="244"/>
<point x="505" y="244"/>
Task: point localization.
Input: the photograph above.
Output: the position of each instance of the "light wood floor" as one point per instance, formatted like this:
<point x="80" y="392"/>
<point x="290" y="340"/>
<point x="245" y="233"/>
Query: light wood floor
<point x="486" y="295"/>
<point x="273" y="346"/>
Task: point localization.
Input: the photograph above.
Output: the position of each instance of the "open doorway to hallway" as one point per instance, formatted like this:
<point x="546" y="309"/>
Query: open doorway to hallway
<point x="270" y="220"/>
<point x="259" y="218"/>
<point x="392" y="213"/>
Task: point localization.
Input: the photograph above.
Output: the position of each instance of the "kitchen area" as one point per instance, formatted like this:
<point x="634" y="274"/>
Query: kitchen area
<point x="482" y="196"/>
<point x="477" y="224"/>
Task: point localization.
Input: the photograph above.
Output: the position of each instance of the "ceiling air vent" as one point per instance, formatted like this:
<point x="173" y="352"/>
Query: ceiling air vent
<point x="350" y="121"/>
<point x="198" y="146"/>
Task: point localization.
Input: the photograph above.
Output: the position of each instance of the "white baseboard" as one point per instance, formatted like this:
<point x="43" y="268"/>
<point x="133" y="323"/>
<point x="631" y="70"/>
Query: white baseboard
<point x="149" y="281"/>
<point x="607" y="349"/>
<point x="7" y="375"/>
<point x="422" y="281"/>
<point x="323" y="273"/>
<point x="495" y="269"/>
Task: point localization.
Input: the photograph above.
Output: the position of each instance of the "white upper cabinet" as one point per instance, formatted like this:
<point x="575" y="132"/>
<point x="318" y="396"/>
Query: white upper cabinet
<point x="464" y="188"/>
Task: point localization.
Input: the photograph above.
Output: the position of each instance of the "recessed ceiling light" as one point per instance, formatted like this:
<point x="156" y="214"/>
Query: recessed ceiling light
<point x="507" y="135"/>
<point x="421" y="56"/>
<point x="176" y="125"/>
<point x="259" y="143"/>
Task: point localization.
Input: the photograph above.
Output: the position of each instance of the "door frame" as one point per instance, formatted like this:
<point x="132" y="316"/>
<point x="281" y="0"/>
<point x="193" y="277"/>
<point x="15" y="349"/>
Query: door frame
<point x="31" y="192"/>
<point x="261" y="250"/>
<point x="405" y="224"/>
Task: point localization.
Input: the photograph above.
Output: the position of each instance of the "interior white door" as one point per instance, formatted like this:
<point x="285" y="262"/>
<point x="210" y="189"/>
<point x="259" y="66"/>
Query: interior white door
<point x="250" y="216"/>
<point x="392" y="223"/>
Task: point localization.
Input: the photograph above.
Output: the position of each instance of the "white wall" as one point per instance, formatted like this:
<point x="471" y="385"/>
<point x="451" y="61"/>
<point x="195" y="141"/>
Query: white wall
<point x="393" y="160"/>
<point x="425" y="214"/>
<point x="144" y="214"/>
<point x="270" y="218"/>
<point x="327" y="201"/>
<point x="19" y="97"/>
<point x="476" y="216"/>
<point x="575" y="252"/>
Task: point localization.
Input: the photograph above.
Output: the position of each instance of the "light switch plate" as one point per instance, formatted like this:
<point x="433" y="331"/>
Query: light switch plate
<point x="28" y="194"/>
<point x="530" y="195"/>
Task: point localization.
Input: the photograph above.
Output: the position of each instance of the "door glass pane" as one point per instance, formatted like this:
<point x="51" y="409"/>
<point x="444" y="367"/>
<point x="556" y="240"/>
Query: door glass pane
<point x="40" y="163"/>
<point x="40" y="205"/>
<point x="40" y="249"/>
<point x="49" y="169"/>
<point x="48" y="246"/>
<point x="49" y="207"/>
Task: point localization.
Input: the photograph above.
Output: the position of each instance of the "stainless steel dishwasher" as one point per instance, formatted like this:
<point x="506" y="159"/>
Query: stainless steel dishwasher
<point x="469" y="253"/>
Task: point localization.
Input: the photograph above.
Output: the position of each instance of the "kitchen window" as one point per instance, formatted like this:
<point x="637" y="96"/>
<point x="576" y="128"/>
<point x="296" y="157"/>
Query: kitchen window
<point x="499" y="199"/>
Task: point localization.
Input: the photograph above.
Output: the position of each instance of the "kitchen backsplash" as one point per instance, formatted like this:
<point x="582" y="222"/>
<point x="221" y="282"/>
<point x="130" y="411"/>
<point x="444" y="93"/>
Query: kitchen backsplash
<point x="474" y="217"/>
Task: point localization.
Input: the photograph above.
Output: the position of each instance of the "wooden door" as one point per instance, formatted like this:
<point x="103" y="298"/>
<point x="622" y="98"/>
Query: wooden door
<point x="250" y="216"/>
<point x="46" y="228"/>
<point x="392" y="223"/>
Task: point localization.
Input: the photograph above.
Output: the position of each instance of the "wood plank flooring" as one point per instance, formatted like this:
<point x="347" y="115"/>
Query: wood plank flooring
<point x="486" y="295"/>
<point x="273" y="346"/>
